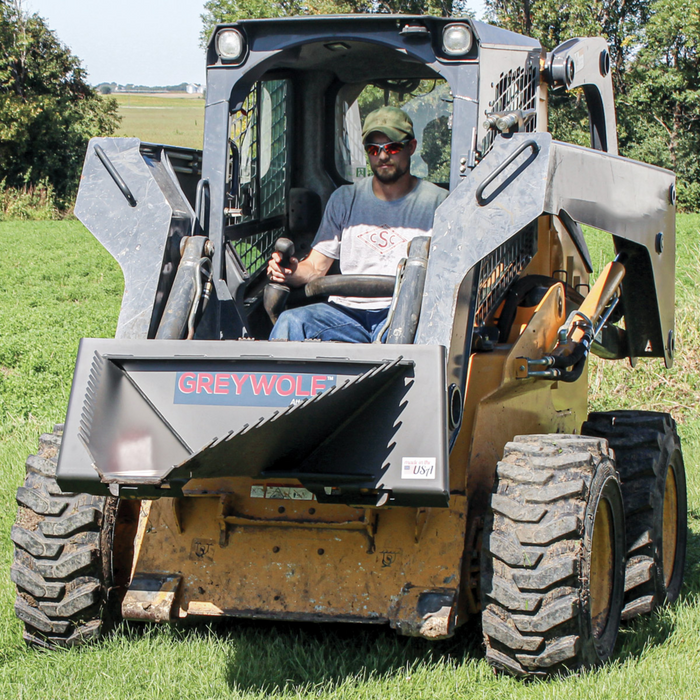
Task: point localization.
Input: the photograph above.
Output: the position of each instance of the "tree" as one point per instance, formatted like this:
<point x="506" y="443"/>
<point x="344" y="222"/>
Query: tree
<point x="664" y="95"/>
<point x="552" y="23"/>
<point x="47" y="110"/>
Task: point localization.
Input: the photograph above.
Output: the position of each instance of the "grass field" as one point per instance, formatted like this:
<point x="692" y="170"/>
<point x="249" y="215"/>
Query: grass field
<point x="58" y="285"/>
<point x="176" y="121"/>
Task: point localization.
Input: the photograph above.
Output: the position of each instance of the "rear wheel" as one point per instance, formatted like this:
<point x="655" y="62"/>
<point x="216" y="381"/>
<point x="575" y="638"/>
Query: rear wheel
<point x="553" y="556"/>
<point x="63" y="555"/>
<point x="648" y="457"/>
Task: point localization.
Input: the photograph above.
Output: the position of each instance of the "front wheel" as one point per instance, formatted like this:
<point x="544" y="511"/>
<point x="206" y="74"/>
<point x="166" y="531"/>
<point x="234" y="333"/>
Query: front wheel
<point x="63" y="555"/>
<point x="553" y="559"/>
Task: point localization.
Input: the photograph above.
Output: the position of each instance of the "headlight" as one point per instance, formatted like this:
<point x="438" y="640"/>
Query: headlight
<point x="456" y="39"/>
<point x="230" y="44"/>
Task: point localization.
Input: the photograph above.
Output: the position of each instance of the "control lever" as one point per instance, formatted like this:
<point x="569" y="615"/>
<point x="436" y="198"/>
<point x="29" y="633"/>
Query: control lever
<point x="275" y="294"/>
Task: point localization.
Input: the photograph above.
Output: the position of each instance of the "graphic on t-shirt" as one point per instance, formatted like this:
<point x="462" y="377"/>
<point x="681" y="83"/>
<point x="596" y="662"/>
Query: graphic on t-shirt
<point x="382" y="238"/>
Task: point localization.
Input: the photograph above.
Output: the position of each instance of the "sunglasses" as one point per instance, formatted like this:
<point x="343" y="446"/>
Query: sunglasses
<point x="391" y="148"/>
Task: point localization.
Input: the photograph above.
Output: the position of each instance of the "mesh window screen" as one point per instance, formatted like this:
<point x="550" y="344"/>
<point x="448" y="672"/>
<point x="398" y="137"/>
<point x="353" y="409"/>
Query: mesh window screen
<point x="500" y="269"/>
<point x="515" y="89"/>
<point x="260" y="132"/>
<point x="273" y="148"/>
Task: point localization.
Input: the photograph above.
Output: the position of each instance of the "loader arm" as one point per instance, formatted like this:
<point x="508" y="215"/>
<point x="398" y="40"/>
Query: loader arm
<point x="523" y="177"/>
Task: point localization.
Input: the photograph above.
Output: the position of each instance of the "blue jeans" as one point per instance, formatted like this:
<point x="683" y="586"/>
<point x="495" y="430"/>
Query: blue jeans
<point x="328" y="321"/>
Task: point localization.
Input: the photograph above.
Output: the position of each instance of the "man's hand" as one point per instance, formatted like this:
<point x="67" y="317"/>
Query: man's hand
<point x="298" y="273"/>
<point x="277" y="273"/>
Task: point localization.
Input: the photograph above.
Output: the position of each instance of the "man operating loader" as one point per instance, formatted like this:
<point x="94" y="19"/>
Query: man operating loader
<point x="367" y="227"/>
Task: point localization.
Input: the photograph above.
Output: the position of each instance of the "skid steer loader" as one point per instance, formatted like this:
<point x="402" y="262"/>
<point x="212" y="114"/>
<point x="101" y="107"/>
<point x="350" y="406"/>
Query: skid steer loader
<point x="447" y="476"/>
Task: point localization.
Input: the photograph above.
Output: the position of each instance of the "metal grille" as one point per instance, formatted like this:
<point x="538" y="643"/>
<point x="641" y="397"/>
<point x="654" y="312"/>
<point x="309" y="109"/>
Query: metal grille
<point x="274" y="177"/>
<point x="500" y="268"/>
<point x="255" y="251"/>
<point x="259" y="130"/>
<point x="515" y="89"/>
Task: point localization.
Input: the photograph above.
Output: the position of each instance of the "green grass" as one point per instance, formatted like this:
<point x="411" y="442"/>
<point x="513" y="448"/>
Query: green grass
<point x="59" y="285"/>
<point x="175" y="121"/>
<point x="678" y="389"/>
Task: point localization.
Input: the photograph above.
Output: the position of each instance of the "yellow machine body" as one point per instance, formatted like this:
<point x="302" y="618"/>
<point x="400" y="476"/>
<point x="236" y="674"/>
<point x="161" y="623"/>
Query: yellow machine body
<point x="256" y="549"/>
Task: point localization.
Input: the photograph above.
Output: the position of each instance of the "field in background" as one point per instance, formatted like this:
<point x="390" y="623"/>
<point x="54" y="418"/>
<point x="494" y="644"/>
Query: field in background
<point x="176" y="120"/>
<point x="58" y="285"/>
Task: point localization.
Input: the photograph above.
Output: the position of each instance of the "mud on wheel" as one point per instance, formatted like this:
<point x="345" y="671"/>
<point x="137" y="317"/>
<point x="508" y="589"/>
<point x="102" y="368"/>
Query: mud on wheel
<point x="553" y="556"/>
<point x="62" y="563"/>
<point x="648" y="457"/>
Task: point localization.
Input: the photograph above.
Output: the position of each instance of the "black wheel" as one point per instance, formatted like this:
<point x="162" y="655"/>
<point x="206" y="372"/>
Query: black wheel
<point x="648" y="457"/>
<point x="62" y="563"/>
<point x="553" y="556"/>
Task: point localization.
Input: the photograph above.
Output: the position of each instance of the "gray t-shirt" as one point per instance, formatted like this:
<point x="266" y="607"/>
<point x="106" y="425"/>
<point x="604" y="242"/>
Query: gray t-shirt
<point x="370" y="236"/>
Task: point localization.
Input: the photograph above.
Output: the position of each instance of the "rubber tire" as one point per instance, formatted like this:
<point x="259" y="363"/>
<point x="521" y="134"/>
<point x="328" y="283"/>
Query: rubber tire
<point x="62" y="561"/>
<point x="645" y="444"/>
<point x="536" y="555"/>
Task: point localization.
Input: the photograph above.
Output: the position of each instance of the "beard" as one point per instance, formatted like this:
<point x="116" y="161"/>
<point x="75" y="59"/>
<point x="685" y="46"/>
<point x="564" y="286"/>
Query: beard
<point x="393" y="174"/>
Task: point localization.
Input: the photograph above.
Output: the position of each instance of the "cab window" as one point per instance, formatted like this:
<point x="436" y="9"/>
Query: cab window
<point x="259" y="170"/>
<point x="427" y="102"/>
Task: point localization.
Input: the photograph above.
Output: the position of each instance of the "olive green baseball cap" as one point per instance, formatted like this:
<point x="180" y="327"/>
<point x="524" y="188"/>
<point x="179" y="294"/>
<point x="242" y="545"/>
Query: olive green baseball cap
<point x="390" y="121"/>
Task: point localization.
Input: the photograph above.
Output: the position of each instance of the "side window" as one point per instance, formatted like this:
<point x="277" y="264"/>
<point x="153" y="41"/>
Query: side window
<point x="259" y="169"/>
<point x="427" y="102"/>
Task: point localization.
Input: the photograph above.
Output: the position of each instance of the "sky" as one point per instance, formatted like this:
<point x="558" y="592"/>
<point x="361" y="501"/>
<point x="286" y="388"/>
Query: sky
<point x="144" y="42"/>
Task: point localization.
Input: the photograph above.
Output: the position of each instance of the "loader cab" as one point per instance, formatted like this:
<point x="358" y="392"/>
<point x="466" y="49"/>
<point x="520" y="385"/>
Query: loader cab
<point x="281" y="172"/>
<point x="285" y="104"/>
<point x="280" y="181"/>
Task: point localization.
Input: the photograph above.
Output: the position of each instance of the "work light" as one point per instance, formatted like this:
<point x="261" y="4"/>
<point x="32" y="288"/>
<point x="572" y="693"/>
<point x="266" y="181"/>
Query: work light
<point x="230" y="44"/>
<point x="456" y="39"/>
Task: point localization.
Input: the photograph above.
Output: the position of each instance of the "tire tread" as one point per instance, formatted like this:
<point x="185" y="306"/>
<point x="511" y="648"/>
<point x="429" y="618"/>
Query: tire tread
<point x="61" y="565"/>
<point x="644" y="442"/>
<point x="532" y="554"/>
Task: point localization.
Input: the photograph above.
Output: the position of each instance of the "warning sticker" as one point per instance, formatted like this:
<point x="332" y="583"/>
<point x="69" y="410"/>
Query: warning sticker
<point x="285" y="493"/>
<point x="418" y="468"/>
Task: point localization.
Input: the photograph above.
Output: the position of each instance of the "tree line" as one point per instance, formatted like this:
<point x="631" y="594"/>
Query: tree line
<point x="48" y="111"/>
